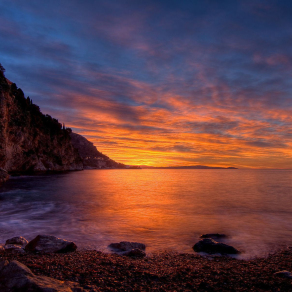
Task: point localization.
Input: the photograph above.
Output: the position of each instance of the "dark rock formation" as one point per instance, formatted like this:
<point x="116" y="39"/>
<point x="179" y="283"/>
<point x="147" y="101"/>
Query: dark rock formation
<point x="15" y="245"/>
<point x="33" y="142"/>
<point x="4" y="176"/>
<point x="48" y="244"/>
<point x="16" y="277"/>
<point x="135" y="253"/>
<point x="131" y="249"/>
<point x="211" y="246"/>
<point x="214" y="235"/>
<point x="29" y="140"/>
<point x="91" y="157"/>
<point x="126" y="246"/>
<point x="18" y="240"/>
<point x="14" y="248"/>
<point x="283" y="274"/>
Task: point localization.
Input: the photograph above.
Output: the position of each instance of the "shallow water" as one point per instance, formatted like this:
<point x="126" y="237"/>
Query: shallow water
<point x="163" y="208"/>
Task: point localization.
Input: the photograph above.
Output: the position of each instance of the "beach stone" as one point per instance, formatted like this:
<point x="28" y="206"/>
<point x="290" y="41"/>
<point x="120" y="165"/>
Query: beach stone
<point x="14" y="248"/>
<point x="211" y="246"/>
<point x="136" y="253"/>
<point x="284" y="274"/>
<point x="214" y="235"/>
<point x="18" y="240"/>
<point x="14" y="276"/>
<point x="4" y="176"/>
<point x="50" y="244"/>
<point x="127" y="246"/>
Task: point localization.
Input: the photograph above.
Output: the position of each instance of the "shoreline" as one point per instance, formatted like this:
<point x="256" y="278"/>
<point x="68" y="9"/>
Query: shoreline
<point x="165" y="271"/>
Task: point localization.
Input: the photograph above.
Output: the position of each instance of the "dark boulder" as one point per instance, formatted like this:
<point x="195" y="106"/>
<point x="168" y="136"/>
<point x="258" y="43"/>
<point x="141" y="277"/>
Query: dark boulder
<point x="283" y="274"/>
<point x="19" y="240"/>
<point x="49" y="244"/>
<point x="131" y="249"/>
<point x="14" y="248"/>
<point x="4" y="176"/>
<point x="14" y="276"/>
<point x="211" y="246"/>
<point x="135" y="253"/>
<point x="126" y="246"/>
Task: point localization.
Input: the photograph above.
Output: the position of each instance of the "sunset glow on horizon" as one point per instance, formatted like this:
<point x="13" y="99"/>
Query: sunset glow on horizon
<point x="160" y="83"/>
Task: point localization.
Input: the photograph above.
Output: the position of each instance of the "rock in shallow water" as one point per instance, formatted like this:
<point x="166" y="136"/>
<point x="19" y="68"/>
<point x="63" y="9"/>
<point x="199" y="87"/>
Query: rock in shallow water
<point x="211" y="246"/>
<point x="284" y="274"/>
<point x="14" y="276"/>
<point x="126" y="246"/>
<point x="19" y="240"/>
<point x="48" y="244"/>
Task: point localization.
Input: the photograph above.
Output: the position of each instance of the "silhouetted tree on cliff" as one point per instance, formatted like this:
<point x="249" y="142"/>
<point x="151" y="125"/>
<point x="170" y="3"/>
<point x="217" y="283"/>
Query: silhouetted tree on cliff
<point x="2" y="70"/>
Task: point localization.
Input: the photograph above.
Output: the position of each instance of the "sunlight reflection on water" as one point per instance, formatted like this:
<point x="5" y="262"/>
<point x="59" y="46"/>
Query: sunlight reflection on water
<point x="165" y="209"/>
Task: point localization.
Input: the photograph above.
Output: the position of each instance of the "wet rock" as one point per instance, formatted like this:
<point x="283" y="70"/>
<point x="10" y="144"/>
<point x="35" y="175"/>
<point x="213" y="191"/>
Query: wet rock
<point x="14" y="276"/>
<point x="284" y="274"/>
<point x="19" y="240"/>
<point x="14" y="248"/>
<point x="127" y="246"/>
<point x="214" y="235"/>
<point x="211" y="246"/>
<point x="135" y="253"/>
<point x="4" y="176"/>
<point x="48" y="244"/>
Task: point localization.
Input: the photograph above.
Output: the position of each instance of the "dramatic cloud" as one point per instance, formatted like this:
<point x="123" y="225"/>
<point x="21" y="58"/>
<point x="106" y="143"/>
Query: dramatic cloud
<point x="160" y="82"/>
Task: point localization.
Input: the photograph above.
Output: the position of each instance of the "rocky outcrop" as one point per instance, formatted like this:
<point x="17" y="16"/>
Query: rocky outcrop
<point x="14" y="248"/>
<point x="211" y="246"/>
<point x="4" y="176"/>
<point x="131" y="249"/>
<point x="135" y="253"/>
<point x="15" y="244"/>
<point x="126" y="246"/>
<point x="18" y="240"/>
<point x="29" y="140"/>
<point x="91" y="157"/>
<point x="16" y="277"/>
<point x="50" y="244"/>
<point x="284" y="274"/>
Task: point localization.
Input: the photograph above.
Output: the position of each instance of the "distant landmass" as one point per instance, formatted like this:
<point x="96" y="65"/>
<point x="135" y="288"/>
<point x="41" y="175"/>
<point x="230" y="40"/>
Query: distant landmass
<point x="33" y="142"/>
<point x="188" y="167"/>
<point x="91" y="157"/>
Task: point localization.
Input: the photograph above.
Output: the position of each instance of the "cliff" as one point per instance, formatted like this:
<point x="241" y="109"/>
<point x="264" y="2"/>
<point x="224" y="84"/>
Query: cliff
<point x="29" y="140"/>
<point x="91" y="157"/>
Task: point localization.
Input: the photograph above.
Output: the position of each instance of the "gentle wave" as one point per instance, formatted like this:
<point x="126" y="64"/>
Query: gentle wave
<point x="165" y="209"/>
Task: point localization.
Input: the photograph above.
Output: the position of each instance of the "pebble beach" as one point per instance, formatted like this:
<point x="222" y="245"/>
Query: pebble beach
<point x="165" y="271"/>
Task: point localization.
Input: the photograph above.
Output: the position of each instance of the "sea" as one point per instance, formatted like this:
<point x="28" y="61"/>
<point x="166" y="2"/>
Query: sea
<point x="166" y="209"/>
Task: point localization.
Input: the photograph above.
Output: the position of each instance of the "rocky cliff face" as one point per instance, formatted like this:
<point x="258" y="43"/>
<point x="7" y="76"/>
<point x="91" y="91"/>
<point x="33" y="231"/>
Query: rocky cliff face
<point x="29" y="140"/>
<point x="91" y="157"/>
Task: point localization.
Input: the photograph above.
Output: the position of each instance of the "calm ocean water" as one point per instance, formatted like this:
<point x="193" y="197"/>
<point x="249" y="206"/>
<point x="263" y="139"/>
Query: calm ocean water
<point x="165" y="209"/>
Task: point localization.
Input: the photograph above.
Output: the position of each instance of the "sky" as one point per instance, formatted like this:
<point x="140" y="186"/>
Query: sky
<point x="160" y="83"/>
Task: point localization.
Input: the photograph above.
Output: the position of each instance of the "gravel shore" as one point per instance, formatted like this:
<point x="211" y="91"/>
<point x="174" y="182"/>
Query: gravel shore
<point x="162" y="271"/>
